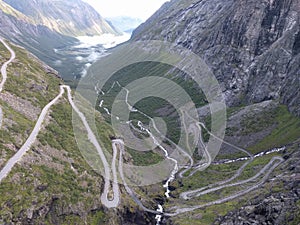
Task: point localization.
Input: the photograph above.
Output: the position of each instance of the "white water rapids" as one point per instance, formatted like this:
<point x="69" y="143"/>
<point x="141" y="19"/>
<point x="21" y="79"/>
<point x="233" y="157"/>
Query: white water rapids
<point x="228" y="161"/>
<point x="155" y="141"/>
<point x="160" y="212"/>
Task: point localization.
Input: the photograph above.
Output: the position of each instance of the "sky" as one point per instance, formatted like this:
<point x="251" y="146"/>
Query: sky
<point x="142" y="9"/>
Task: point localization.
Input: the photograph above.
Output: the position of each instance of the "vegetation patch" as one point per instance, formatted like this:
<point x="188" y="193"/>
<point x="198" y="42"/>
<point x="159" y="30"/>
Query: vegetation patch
<point x="287" y="130"/>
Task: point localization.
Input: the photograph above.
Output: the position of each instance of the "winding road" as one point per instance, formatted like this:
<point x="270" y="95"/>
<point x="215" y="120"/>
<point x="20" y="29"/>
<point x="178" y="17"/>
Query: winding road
<point x="119" y="143"/>
<point x="4" y="66"/>
<point x="109" y="203"/>
<point x="231" y="197"/>
<point x="110" y="171"/>
<point x="266" y="170"/>
<point x="4" y="72"/>
<point x="31" y="139"/>
<point x="107" y="174"/>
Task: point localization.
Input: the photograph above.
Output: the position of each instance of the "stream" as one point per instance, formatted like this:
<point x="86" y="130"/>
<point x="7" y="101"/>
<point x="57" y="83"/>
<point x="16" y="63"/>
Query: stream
<point x="160" y="210"/>
<point x="229" y="161"/>
<point x="171" y="178"/>
<point x="115" y="201"/>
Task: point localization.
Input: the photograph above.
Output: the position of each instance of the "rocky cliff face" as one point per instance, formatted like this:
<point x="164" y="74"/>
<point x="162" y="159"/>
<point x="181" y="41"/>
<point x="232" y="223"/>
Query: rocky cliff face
<point x="72" y="18"/>
<point x="252" y="46"/>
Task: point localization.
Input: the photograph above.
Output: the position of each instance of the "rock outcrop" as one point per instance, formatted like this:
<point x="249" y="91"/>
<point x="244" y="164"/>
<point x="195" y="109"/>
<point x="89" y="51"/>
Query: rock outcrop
<point x="252" y="46"/>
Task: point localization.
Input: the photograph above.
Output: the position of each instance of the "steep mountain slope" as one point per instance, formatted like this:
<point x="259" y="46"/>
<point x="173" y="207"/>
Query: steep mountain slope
<point x="38" y="39"/>
<point x="5" y="8"/>
<point x="72" y="18"/>
<point x="252" y="46"/>
<point x="43" y="27"/>
<point x="52" y="183"/>
<point x="23" y="30"/>
<point x="266" y="130"/>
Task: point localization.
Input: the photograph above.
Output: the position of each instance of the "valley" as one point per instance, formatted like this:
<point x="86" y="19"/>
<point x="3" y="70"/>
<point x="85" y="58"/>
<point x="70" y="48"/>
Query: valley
<point x="194" y="119"/>
<point x="274" y="162"/>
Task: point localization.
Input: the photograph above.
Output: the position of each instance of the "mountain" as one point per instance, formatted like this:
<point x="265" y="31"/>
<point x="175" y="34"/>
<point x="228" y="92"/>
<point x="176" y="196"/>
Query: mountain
<point x="23" y="30"/>
<point x="43" y="27"/>
<point x="251" y="46"/>
<point x="52" y="183"/>
<point x="125" y="23"/>
<point x="72" y="17"/>
<point x="39" y="39"/>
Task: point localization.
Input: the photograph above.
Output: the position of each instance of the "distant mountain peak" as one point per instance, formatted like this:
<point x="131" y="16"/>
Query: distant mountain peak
<point x="125" y="23"/>
<point x="72" y="17"/>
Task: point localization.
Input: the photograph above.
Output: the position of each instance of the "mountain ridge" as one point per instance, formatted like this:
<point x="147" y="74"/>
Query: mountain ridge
<point x="43" y="27"/>
<point x="240" y="41"/>
<point x="60" y="185"/>
<point x="81" y="18"/>
<point x="53" y="183"/>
